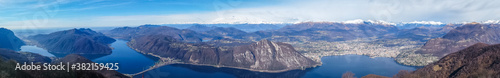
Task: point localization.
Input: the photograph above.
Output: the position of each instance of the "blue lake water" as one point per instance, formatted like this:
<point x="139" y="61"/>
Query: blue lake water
<point x="131" y="61"/>
<point x="35" y="49"/>
<point x="333" y="67"/>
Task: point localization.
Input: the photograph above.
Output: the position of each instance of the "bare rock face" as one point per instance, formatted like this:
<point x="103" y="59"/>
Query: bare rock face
<point x="477" y="61"/>
<point x="265" y="56"/>
<point x="9" y="41"/>
<point x="462" y="37"/>
<point x="79" y="41"/>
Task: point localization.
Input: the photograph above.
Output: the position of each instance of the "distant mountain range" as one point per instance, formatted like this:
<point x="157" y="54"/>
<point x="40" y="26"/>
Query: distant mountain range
<point x="243" y="27"/>
<point x="128" y="33"/>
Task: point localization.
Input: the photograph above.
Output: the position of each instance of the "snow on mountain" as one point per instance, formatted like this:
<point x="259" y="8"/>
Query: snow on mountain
<point x="491" y="22"/>
<point x="360" y="21"/>
<point x="424" y="22"/>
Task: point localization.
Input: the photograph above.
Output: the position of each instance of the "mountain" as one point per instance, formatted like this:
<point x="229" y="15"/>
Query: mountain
<point x="79" y="41"/>
<point x="477" y="61"/>
<point x="254" y="27"/>
<point x="243" y="27"/>
<point x="462" y="37"/>
<point x="423" y="33"/>
<point x="491" y="22"/>
<point x="127" y="33"/>
<point x="9" y="41"/>
<point x="264" y="56"/>
<point x="360" y="21"/>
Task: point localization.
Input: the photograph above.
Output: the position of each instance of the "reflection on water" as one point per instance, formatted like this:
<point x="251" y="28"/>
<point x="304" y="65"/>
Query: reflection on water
<point x="35" y="49"/>
<point x="333" y="67"/>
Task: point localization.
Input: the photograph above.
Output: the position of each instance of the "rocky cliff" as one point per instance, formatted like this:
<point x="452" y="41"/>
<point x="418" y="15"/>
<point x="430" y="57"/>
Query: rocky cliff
<point x="265" y="56"/>
<point x="79" y="41"/>
<point x="9" y="41"/>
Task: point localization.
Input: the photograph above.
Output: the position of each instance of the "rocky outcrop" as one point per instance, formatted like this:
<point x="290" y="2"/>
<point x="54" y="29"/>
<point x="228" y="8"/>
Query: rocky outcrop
<point x="462" y="37"/>
<point x="9" y="41"/>
<point x="79" y="41"/>
<point x="264" y="56"/>
<point x="477" y="61"/>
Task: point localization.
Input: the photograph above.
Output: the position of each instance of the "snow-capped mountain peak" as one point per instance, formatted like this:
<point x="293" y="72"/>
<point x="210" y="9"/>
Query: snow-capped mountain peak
<point x="360" y="21"/>
<point x="424" y="22"/>
<point x="491" y="22"/>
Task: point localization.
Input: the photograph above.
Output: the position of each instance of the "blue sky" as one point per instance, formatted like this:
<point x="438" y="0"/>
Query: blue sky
<point x="95" y="13"/>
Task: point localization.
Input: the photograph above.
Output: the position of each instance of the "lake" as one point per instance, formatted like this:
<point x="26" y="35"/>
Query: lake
<point x="333" y="67"/>
<point x="131" y="61"/>
<point x="35" y="49"/>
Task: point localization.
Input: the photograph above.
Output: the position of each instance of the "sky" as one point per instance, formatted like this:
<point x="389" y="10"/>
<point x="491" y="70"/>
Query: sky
<point x="17" y="14"/>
